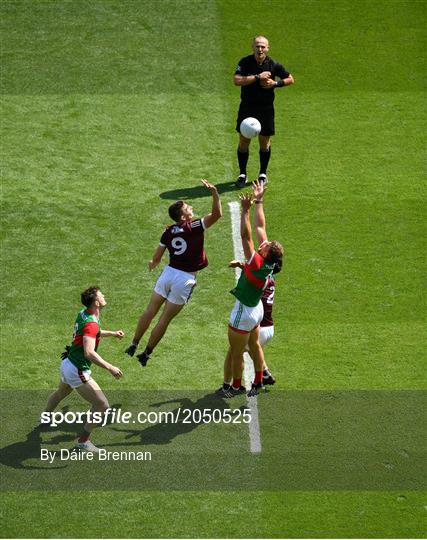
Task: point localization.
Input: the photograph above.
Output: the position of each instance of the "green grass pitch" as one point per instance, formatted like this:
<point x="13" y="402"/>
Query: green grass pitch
<point x="111" y="110"/>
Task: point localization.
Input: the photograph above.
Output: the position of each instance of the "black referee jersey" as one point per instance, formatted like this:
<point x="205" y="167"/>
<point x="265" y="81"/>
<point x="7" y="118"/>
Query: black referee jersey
<point x="254" y="94"/>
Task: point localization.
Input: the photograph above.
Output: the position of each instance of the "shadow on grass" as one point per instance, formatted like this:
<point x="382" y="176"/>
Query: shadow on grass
<point x="14" y="455"/>
<point x="165" y="432"/>
<point x="196" y="192"/>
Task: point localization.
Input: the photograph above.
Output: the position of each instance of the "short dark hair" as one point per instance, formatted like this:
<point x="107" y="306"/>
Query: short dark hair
<point x="88" y="296"/>
<point x="175" y="210"/>
<point x="275" y="254"/>
<point x="278" y="266"/>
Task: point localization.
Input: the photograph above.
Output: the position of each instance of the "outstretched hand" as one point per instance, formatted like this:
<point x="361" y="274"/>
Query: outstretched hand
<point x="246" y="200"/>
<point x="259" y="188"/>
<point x="208" y="185"/>
<point x="235" y="264"/>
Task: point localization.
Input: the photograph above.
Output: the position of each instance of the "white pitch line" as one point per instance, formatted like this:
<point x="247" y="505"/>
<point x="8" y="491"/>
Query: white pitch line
<point x="254" y="431"/>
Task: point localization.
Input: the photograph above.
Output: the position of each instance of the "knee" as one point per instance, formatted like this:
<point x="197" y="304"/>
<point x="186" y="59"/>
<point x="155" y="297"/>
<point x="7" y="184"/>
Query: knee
<point x="162" y="324"/>
<point x="244" y="144"/>
<point x="62" y="392"/>
<point x="105" y="405"/>
<point x="149" y="313"/>
<point x="236" y="355"/>
<point x="102" y="405"/>
<point x="264" y="143"/>
<point x="169" y="314"/>
<point x="255" y="348"/>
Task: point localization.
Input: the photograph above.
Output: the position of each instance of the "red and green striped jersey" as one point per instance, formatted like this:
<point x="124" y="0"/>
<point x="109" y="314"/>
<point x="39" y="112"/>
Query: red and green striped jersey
<point x="252" y="280"/>
<point x="87" y="324"/>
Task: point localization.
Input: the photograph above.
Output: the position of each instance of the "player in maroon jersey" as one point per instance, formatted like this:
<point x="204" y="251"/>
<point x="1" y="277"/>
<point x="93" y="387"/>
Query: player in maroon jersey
<point x="266" y="331"/>
<point x="184" y="241"/>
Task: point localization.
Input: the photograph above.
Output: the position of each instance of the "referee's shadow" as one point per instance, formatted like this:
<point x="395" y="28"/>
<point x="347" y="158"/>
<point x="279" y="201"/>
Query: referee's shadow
<point x="196" y="192"/>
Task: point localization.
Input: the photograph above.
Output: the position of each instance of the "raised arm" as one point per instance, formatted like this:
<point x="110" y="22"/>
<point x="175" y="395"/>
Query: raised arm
<point x="216" y="211"/>
<point x="245" y="225"/>
<point x="259" y="218"/>
<point x="157" y="257"/>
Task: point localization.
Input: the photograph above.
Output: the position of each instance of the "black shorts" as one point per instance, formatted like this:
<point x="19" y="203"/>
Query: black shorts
<point x="265" y="115"/>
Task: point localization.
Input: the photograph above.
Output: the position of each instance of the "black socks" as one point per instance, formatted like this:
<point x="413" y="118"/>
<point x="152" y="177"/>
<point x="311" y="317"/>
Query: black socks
<point x="242" y="157"/>
<point x="264" y="158"/>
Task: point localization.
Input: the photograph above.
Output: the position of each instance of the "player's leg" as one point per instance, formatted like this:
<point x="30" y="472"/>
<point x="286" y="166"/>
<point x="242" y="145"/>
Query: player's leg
<point x="69" y="380"/>
<point x="228" y="374"/>
<point x="257" y="354"/>
<point x="238" y="342"/>
<point x="56" y="397"/>
<point x="170" y="311"/>
<point x="91" y="392"/>
<point x="266" y="334"/>
<point x="155" y="303"/>
<point x="181" y="286"/>
<point x="243" y="322"/>
<point x="228" y="369"/>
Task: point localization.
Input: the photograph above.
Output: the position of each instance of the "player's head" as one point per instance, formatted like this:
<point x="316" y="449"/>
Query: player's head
<point x="93" y="297"/>
<point x="272" y="252"/>
<point x="278" y="266"/>
<point x="180" y="211"/>
<point x="260" y="46"/>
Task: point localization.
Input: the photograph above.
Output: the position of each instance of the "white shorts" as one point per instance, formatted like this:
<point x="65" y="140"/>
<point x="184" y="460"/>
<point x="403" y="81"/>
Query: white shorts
<point x="72" y="375"/>
<point x="244" y="319"/>
<point x="175" y="285"/>
<point x="266" y="334"/>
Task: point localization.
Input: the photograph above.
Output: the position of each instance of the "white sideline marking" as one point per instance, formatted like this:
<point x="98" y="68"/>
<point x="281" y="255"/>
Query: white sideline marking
<point x="254" y="431"/>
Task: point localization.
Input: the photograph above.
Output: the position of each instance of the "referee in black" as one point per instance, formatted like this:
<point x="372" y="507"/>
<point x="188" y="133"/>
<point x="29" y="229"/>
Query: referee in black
<point x="258" y="75"/>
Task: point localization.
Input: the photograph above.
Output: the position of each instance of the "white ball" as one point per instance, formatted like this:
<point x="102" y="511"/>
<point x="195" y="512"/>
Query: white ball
<point x="250" y="128"/>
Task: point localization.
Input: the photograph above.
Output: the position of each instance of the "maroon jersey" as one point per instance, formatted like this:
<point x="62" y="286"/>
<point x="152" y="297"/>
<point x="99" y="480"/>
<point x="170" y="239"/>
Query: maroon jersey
<point x="185" y="245"/>
<point x="267" y="302"/>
